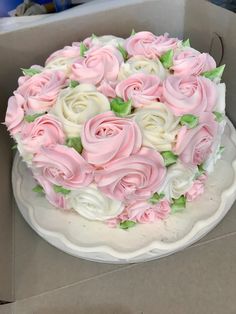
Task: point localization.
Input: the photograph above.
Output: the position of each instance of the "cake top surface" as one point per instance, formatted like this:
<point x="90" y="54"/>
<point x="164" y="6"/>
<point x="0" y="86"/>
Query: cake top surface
<point x="120" y="130"/>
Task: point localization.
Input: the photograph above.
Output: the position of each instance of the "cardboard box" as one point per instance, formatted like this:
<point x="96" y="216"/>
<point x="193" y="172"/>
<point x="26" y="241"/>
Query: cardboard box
<point x="28" y="265"/>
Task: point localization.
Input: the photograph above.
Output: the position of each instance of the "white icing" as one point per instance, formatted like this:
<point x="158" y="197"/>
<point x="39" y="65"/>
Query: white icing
<point x="60" y="63"/>
<point x="108" y="40"/>
<point x="220" y="101"/>
<point x="158" y="126"/>
<point x="141" y="64"/>
<point x="76" y="105"/>
<point x="178" y="181"/>
<point x="215" y="155"/>
<point x="90" y="203"/>
<point x="26" y="156"/>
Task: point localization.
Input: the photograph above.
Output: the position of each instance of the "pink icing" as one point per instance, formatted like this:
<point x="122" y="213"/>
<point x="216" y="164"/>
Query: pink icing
<point x="40" y="91"/>
<point x="141" y="88"/>
<point x="45" y="130"/>
<point x="56" y="199"/>
<point x="197" y="188"/>
<point x="107" y="88"/>
<point x="132" y="178"/>
<point x="99" y="64"/>
<point x="143" y="212"/>
<point x="15" y="113"/>
<point x="194" y="145"/>
<point x="62" y="165"/>
<point x="68" y="52"/>
<point x="106" y="137"/>
<point x="113" y="222"/>
<point x="22" y="79"/>
<point x="189" y="94"/>
<point x="88" y="42"/>
<point x="148" y="45"/>
<point x="191" y="62"/>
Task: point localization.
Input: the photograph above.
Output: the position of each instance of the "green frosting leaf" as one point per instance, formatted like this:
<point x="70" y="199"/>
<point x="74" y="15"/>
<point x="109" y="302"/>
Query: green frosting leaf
<point x="123" y="52"/>
<point x="38" y="189"/>
<point x="218" y="116"/>
<point x="73" y="84"/>
<point x="169" y="158"/>
<point x="93" y="36"/>
<point x="14" y="147"/>
<point x="156" y="198"/>
<point x="30" y="72"/>
<point x="167" y="59"/>
<point x="75" y="142"/>
<point x="31" y="118"/>
<point x="186" y="43"/>
<point x="189" y="120"/>
<point x="178" y="204"/>
<point x="83" y="49"/>
<point x="133" y="32"/>
<point x="221" y="150"/>
<point x="60" y="189"/>
<point x="127" y="224"/>
<point x="120" y="107"/>
<point x="201" y="170"/>
<point x="215" y="73"/>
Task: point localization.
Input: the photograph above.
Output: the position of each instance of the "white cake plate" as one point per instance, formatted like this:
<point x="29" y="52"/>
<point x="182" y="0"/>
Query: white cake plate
<point x="97" y="242"/>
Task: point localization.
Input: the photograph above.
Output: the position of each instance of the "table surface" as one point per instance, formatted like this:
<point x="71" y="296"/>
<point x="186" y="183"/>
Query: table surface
<point x="200" y="279"/>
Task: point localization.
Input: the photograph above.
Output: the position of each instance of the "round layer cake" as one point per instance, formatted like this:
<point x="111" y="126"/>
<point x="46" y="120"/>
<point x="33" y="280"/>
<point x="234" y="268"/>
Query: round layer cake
<point x="123" y="131"/>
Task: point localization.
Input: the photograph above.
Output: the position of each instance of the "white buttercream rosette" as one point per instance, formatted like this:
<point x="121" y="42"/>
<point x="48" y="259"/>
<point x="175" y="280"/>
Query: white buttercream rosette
<point x="142" y="64"/>
<point x="158" y="126"/>
<point x="103" y="41"/>
<point x="178" y="181"/>
<point x="63" y="58"/>
<point x="92" y="204"/>
<point x="76" y="105"/>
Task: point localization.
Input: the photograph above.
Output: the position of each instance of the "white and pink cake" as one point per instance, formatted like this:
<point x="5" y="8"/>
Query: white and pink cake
<point x="123" y="131"/>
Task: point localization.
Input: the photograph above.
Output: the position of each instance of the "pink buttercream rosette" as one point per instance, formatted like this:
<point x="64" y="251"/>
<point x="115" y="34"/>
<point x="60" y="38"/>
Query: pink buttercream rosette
<point x="111" y="161"/>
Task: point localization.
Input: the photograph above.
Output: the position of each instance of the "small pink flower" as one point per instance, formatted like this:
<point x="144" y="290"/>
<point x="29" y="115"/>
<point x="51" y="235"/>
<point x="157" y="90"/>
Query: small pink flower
<point x="189" y="94"/>
<point x="194" y="145"/>
<point x="44" y="131"/>
<point x="41" y="90"/>
<point x="69" y="52"/>
<point x="63" y="166"/>
<point x="163" y="209"/>
<point x="106" y="137"/>
<point x="99" y="63"/>
<point x="144" y="212"/>
<point x="132" y="178"/>
<point x="56" y="199"/>
<point x="191" y="62"/>
<point x="113" y="222"/>
<point x="15" y="113"/>
<point x="197" y="188"/>
<point x="148" y="45"/>
<point x="141" y="88"/>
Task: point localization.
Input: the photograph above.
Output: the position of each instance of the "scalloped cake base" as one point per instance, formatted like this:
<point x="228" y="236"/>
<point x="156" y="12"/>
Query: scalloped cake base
<point x="97" y="242"/>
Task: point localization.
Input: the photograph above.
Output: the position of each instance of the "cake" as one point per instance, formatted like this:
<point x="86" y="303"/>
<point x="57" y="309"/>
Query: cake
<point x="122" y="131"/>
